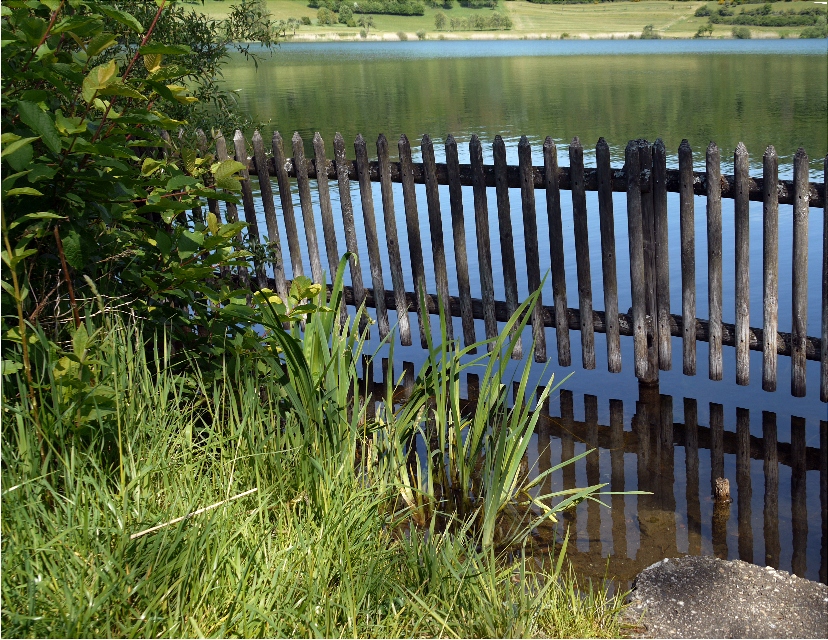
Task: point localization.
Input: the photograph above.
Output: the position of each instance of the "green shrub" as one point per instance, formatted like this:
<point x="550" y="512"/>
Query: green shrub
<point x="345" y="13"/>
<point x="440" y="20"/>
<point x="741" y="33"/>
<point x="421" y="34"/>
<point x="325" y="17"/>
<point x="306" y="21"/>
<point x="702" y="12"/>
<point x="649" y="33"/>
<point x="402" y="35"/>
<point x="819" y="31"/>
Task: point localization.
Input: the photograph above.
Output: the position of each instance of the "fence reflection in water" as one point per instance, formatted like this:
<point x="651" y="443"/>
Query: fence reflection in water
<point x="678" y="463"/>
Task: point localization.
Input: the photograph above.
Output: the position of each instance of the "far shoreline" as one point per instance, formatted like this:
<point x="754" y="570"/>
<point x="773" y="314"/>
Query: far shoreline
<point x="388" y="36"/>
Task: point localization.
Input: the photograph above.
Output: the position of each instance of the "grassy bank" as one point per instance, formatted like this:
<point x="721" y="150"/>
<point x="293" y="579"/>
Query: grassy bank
<point x="309" y="517"/>
<point x="531" y="21"/>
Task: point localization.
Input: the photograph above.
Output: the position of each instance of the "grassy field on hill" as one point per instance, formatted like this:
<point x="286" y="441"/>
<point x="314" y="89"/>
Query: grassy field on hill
<point x="605" y="20"/>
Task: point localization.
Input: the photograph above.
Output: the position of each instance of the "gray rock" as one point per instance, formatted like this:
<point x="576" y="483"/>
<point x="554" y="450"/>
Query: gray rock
<point x="704" y="597"/>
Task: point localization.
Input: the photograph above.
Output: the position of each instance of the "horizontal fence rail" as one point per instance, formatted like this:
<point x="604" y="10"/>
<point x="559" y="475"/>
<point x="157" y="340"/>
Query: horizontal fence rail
<point x="646" y="181"/>
<point x="785" y="188"/>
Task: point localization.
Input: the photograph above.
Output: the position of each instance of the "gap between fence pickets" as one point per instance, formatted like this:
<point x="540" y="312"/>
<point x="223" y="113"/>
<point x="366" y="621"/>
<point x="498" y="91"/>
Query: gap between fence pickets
<point x="812" y="345"/>
<point x="618" y="179"/>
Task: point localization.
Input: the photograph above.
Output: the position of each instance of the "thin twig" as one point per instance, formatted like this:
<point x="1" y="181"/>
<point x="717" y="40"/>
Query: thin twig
<point x="190" y="515"/>
<point x="69" y="286"/>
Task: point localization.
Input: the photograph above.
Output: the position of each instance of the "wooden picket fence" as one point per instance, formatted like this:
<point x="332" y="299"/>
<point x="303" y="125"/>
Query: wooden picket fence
<point x="646" y="181"/>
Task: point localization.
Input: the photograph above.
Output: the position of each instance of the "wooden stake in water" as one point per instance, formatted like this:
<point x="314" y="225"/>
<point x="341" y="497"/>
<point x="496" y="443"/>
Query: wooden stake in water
<point x="687" y="226"/>
<point x="770" y="265"/>
<point x="507" y="245"/>
<point x="346" y="207"/>
<point x="579" y="219"/>
<point x="459" y="235"/>
<point x="530" y="237"/>
<point x="799" y="306"/>
<point x="636" y="247"/>
<point x="556" y="250"/>
<point x="714" y="259"/>
<point x="484" y="246"/>
<point x="325" y="209"/>
<point x="602" y="160"/>
<point x="372" y="242"/>
<point x="306" y="203"/>
<point x="274" y="244"/>
<point x="742" y="224"/>
<point x="435" y="224"/>
<point x="662" y="256"/>
<point x="286" y="197"/>
<point x="412" y="225"/>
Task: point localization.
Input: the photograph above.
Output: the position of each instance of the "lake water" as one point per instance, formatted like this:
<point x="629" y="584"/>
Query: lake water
<point x="758" y="92"/>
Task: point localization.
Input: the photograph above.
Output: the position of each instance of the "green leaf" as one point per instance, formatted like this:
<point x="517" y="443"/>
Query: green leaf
<point x="16" y="145"/>
<point x="69" y="126"/>
<point x="212" y="223"/>
<point x="163" y="242"/>
<point x="99" y="78"/>
<point x="40" y="122"/>
<point x="189" y="156"/>
<point x="9" y="137"/>
<point x="179" y="182"/>
<point x="23" y="191"/>
<point x="165" y="49"/>
<point x="21" y="157"/>
<point x="123" y="17"/>
<point x="150" y="166"/>
<point x="80" y="340"/>
<point x="72" y="249"/>
<point x="224" y="173"/>
<point x="99" y="43"/>
<point x="10" y="366"/>
<point x="119" y="89"/>
<point x="29" y="217"/>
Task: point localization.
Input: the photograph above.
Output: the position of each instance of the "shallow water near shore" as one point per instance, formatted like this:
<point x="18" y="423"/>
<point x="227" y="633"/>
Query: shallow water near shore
<point x="757" y="92"/>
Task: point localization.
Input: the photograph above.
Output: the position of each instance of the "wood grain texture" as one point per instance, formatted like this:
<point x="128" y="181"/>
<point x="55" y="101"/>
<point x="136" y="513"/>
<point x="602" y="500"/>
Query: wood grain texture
<point x="412" y="225"/>
<point x="823" y="385"/>
<point x="714" y="259"/>
<point x="393" y="243"/>
<point x="325" y="207"/>
<point x="458" y="227"/>
<point x="636" y="249"/>
<point x="286" y="198"/>
<point x="608" y="266"/>
<point x="770" y="267"/>
<point x="581" y="228"/>
<point x="799" y="289"/>
<point x="687" y="229"/>
<point x="303" y="183"/>
<point x="645" y="154"/>
<point x="484" y="246"/>
<point x="742" y="268"/>
<point x="507" y="244"/>
<point x="371" y="240"/>
<point x="435" y="225"/>
<point x="530" y="239"/>
<point x="662" y="256"/>
<point x="274" y="243"/>
<point x="346" y="207"/>
<point x="556" y="250"/>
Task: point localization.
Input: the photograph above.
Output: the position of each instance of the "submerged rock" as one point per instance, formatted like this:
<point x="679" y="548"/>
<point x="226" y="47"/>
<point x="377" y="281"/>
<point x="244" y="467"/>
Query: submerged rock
<point x="705" y="597"/>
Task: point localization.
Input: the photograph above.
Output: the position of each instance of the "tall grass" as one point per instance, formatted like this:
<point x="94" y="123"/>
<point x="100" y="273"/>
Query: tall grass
<point x="332" y="541"/>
